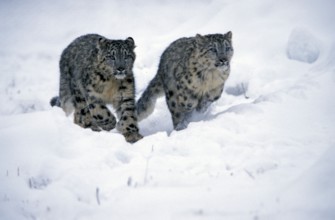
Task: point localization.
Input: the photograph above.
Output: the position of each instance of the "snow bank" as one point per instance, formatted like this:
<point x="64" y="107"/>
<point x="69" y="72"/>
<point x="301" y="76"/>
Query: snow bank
<point x="303" y="46"/>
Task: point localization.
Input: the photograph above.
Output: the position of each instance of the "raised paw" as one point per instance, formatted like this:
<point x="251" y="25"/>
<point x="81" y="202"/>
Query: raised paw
<point x="132" y="137"/>
<point x="83" y="119"/>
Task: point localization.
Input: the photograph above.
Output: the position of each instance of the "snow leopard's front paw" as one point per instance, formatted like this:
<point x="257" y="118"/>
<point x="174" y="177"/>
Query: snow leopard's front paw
<point x="132" y="137"/>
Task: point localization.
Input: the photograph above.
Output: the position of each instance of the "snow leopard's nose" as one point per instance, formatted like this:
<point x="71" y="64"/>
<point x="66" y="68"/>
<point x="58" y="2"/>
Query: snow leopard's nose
<point x="222" y="62"/>
<point x="120" y="73"/>
<point x="121" y="70"/>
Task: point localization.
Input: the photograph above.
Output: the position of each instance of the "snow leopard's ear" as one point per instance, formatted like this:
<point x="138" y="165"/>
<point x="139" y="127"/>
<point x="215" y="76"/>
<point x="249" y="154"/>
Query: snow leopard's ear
<point x="229" y="35"/>
<point x="102" y="43"/>
<point x="200" y="40"/>
<point x="131" y="43"/>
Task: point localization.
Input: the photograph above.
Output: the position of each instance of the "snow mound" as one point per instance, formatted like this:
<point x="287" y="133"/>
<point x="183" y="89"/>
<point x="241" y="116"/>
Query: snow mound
<point x="303" y="46"/>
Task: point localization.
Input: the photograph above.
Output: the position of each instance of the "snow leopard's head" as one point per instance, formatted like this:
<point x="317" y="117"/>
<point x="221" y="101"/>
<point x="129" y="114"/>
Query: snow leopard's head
<point x="117" y="56"/>
<point x="216" y="49"/>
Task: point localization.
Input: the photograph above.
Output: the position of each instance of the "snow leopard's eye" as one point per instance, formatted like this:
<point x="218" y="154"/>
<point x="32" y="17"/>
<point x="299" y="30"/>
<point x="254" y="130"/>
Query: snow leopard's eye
<point x="213" y="49"/>
<point x="126" y="54"/>
<point x="111" y="55"/>
<point x="227" y="46"/>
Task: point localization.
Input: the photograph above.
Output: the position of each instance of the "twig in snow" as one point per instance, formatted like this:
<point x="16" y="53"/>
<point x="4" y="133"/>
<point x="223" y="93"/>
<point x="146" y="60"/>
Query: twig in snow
<point x="244" y="91"/>
<point x="129" y="182"/>
<point x="249" y="174"/>
<point x="97" y="195"/>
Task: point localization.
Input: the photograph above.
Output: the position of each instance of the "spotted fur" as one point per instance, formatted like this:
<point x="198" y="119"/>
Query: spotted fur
<point x="192" y="73"/>
<point x="94" y="72"/>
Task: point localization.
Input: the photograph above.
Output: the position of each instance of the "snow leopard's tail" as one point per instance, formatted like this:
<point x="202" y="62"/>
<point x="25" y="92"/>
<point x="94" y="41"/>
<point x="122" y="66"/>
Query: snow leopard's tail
<point x="146" y="104"/>
<point x="65" y="97"/>
<point x="55" y="101"/>
<point x="65" y="104"/>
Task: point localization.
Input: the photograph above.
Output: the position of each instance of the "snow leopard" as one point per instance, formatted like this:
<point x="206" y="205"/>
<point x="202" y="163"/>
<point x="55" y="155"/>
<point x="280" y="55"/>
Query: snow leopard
<point x="96" y="71"/>
<point x="192" y="73"/>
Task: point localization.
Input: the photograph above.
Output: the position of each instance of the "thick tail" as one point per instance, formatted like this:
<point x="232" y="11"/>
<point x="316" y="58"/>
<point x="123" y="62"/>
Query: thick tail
<point x="66" y="105"/>
<point x="146" y="104"/>
<point x="55" y="101"/>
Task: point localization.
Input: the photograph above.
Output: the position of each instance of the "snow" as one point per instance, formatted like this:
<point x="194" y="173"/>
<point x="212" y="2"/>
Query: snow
<point x="264" y="150"/>
<point x="302" y="46"/>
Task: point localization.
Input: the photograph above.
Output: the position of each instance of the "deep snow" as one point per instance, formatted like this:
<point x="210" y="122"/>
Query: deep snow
<point x="267" y="156"/>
